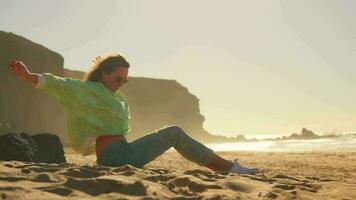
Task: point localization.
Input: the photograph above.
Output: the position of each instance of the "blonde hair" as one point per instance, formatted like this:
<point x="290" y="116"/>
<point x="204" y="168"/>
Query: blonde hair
<point x="107" y="65"/>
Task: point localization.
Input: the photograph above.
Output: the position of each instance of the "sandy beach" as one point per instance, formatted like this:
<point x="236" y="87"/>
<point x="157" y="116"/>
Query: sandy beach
<point x="309" y="175"/>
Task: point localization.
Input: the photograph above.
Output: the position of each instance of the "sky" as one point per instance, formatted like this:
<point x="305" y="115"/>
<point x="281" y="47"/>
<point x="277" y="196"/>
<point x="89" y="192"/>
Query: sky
<point x="260" y="68"/>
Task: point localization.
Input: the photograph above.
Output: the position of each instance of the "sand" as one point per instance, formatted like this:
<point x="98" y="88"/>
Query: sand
<point x="310" y="175"/>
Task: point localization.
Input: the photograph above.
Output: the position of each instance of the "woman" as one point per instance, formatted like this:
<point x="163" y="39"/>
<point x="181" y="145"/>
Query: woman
<point x="98" y="114"/>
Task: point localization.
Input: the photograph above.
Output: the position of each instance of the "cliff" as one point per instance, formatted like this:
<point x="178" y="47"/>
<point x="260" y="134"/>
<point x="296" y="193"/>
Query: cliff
<point x="23" y="108"/>
<point x="154" y="103"/>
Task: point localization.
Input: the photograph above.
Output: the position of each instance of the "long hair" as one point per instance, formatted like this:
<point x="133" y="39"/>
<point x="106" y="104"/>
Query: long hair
<point x="107" y="65"/>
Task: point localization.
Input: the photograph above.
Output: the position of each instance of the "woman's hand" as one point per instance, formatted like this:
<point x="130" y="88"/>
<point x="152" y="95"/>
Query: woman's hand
<point x="97" y="59"/>
<point x="21" y="71"/>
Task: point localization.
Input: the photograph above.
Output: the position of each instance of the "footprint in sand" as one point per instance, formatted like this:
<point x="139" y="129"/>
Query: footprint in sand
<point x="278" y="193"/>
<point x="46" y="177"/>
<point x="262" y="178"/>
<point x="126" y="173"/>
<point x="195" y="186"/>
<point x="238" y="186"/>
<point x="291" y="183"/>
<point x="158" y="178"/>
<point x="82" y="172"/>
<point x="209" y="179"/>
<point x="12" y="179"/>
<point x="203" y="174"/>
<point x="11" y="188"/>
<point x="181" y="181"/>
<point x="95" y="187"/>
<point x="284" y="187"/>
<point x="271" y="195"/>
<point x="62" y="191"/>
<point x="282" y="176"/>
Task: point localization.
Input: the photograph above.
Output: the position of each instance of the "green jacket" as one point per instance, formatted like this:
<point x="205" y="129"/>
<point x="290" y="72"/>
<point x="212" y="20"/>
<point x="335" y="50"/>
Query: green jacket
<point x="91" y="109"/>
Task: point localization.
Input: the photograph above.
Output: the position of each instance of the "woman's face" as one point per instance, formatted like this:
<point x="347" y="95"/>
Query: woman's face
<point x="114" y="80"/>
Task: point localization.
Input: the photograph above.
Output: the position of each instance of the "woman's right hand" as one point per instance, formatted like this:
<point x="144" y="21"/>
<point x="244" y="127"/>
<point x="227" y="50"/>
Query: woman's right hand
<point x="21" y="71"/>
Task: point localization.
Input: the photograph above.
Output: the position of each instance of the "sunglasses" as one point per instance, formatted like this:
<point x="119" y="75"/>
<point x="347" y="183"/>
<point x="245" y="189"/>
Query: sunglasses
<point x="121" y="80"/>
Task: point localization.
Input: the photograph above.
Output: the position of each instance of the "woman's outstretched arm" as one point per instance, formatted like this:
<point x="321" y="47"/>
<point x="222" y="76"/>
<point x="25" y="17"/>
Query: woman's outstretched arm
<point x="21" y="71"/>
<point x="65" y="90"/>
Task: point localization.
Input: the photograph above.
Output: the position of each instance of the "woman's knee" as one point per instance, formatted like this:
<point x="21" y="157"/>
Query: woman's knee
<point x="175" y="129"/>
<point x="172" y="133"/>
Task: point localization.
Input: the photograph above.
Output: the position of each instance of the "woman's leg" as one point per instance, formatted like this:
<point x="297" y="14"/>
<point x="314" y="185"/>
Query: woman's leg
<point x="149" y="147"/>
<point x="218" y="163"/>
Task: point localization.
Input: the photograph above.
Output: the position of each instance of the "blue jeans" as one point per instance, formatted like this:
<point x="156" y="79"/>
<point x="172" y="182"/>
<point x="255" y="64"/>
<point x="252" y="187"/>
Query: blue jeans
<point x="147" y="148"/>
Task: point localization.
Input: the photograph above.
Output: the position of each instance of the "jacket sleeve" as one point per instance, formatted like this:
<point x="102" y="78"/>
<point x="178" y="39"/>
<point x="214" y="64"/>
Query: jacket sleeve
<point x="59" y="88"/>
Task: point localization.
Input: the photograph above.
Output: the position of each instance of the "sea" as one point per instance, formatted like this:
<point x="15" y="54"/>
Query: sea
<point x="345" y="143"/>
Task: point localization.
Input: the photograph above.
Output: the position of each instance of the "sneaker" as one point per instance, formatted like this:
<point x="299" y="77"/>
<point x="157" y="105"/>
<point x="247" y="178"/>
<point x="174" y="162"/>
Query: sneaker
<point x="237" y="168"/>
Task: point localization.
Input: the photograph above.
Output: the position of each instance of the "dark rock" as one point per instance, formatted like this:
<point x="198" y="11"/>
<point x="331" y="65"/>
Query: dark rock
<point x="17" y="147"/>
<point x="307" y="134"/>
<point x="304" y="135"/>
<point x="43" y="147"/>
<point x="50" y="148"/>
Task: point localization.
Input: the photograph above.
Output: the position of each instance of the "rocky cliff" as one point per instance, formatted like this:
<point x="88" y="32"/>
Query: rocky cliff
<point x="154" y="103"/>
<point x="23" y="108"/>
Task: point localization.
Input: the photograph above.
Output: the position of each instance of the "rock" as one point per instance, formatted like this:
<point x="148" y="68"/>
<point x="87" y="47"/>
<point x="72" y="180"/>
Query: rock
<point x="17" y="147"/>
<point x="43" y="147"/>
<point x="307" y="134"/>
<point x="50" y="148"/>
<point x="304" y="135"/>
